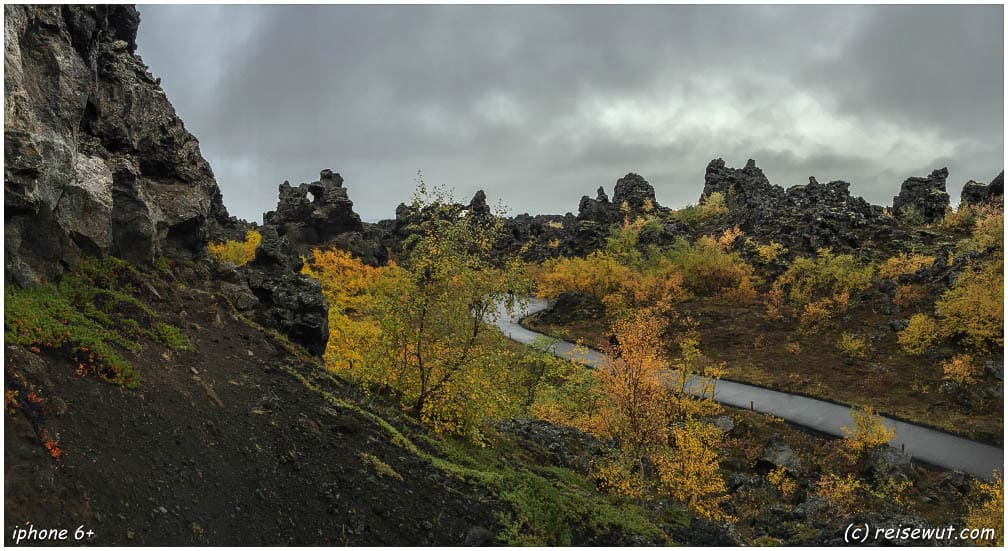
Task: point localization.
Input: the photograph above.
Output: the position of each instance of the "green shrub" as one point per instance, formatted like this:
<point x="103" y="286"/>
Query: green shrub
<point x="380" y="467"/>
<point x="43" y="318"/>
<point x="173" y="337"/>
<point x="911" y="216"/>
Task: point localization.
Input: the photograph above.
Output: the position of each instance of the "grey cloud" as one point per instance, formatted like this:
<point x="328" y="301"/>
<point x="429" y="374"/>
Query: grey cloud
<point x="539" y="105"/>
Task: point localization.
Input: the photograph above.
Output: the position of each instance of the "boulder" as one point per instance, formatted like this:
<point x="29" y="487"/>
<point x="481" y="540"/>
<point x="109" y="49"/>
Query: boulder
<point x="995" y="368"/>
<point x="776" y="453"/>
<point x="927" y="196"/>
<point x="97" y="161"/>
<point x="885" y="462"/>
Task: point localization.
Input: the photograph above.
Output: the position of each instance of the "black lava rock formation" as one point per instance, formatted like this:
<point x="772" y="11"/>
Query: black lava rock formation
<point x="975" y="193"/>
<point x="97" y="161"/>
<point x="925" y="195"/>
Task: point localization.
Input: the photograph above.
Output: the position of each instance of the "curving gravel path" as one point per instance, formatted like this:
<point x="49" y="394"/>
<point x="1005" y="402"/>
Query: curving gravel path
<point x="925" y="444"/>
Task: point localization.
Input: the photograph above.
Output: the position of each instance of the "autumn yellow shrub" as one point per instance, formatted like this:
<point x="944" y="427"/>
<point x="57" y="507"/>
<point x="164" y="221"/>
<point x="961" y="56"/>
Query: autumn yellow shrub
<point x="868" y="431"/>
<point x="655" y="422"/>
<point x="709" y="269"/>
<point x="958" y="220"/>
<point x="853" y="346"/>
<point x="728" y="238"/>
<point x="350" y="288"/>
<point x="988" y="230"/>
<point x="826" y="282"/>
<point x="987" y="511"/>
<point x="815" y="314"/>
<point x="621" y="474"/>
<point x="920" y="333"/>
<point x="973" y="308"/>
<point x="710" y="206"/>
<point x="236" y="252"/>
<point x="632" y="381"/>
<point x="714" y="205"/>
<point x="599" y="275"/>
<point x="844" y="493"/>
<point x="792" y="347"/>
<point x="647" y="290"/>
<point x="903" y="263"/>
<point x="782" y="481"/>
<point x="961" y="369"/>
<point x="690" y="472"/>
<point x="769" y="252"/>
<point x="569" y="395"/>
<point x="419" y="329"/>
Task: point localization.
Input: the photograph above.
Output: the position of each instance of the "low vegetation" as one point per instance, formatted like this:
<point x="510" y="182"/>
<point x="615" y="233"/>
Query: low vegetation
<point x="236" y="252"/>
<point x="91" y="318"/>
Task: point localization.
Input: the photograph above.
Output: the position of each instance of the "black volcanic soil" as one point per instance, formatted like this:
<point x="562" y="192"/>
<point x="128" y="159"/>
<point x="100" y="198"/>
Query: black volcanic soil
<point x="219" y="446"/>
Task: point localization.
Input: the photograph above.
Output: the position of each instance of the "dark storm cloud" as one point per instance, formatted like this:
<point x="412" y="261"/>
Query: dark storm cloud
<point x="539" y="105"/>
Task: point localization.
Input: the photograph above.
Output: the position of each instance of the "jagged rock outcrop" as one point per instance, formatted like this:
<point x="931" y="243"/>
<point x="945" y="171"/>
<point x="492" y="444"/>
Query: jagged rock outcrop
<point x="547" y="235"/>
<point x="478" y="205"/>
<point x="747" y="191"/>
<point x="637" y="194"/>
<point x="804" y="217"/>
<point x="316" y="212"/>
<point x="927" y="196"/>
<point x="598" y="210"/>
<point x="97" y="161"/>
<point x="776" y="453"/>
<point x="976" y="193"/>
<point x="633" y="196"/>
<point x="632" y="190"/>
<point x="319" y="215"/>
<point x="285" y="299"/>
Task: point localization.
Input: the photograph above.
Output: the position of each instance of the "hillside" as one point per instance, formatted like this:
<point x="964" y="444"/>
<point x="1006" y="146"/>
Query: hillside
<point x="177" y="376"/>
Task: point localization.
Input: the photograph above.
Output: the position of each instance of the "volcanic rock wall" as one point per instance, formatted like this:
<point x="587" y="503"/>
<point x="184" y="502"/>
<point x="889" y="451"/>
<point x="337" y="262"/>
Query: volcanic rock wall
<point x="97" y="161"/>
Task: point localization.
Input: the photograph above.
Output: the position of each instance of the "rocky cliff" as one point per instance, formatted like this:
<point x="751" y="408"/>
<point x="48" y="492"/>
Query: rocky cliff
<point x="97" y="161"/>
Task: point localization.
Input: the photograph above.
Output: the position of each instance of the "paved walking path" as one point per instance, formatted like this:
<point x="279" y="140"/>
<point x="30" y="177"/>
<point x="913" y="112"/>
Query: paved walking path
<point x="923" y="443"/>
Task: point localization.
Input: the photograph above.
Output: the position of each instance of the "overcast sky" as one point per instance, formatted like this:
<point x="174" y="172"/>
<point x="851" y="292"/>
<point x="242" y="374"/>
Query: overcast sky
<point x="539" y="105"/>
